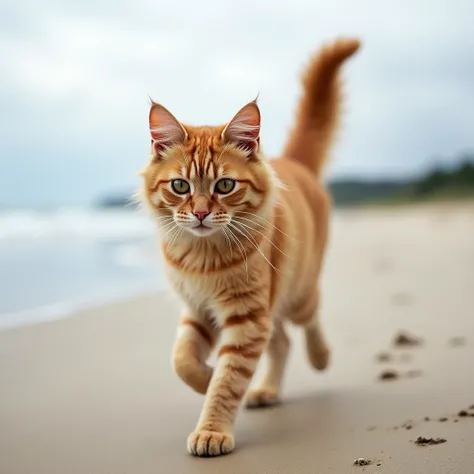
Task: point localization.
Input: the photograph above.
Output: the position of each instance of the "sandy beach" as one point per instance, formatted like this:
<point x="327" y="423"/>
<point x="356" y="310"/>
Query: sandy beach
<point x="95" y="393"/>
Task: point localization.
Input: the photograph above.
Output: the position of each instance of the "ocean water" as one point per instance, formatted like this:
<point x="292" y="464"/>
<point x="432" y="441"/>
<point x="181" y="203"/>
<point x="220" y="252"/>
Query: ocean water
<point x="53" y="263"/>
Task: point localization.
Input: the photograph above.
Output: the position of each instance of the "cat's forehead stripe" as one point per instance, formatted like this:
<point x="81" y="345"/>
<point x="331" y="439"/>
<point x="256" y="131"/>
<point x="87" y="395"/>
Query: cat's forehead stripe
<point x="193" y="170"/>
<point x="202" y="164"/>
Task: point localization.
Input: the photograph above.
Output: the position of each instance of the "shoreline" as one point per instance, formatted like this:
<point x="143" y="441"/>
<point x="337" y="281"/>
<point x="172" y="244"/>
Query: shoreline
<point x="68" y="309"/>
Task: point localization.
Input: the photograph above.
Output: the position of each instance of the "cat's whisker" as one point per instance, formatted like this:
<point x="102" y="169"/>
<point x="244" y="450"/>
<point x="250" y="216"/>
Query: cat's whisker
<point x="241" y="247"/>
<point x="254" y="243"/>
<point x="169" y="230"/>
<point x="164" y="224"/>
<point x="263" y="235"/>
<point x="175" y="236"/>
<point x="269" y="223"/>
<point x="250" y="220"/>
<point x="164" y="218"/>
<point x="228" y="243"/>
<point x="167" y="226"/>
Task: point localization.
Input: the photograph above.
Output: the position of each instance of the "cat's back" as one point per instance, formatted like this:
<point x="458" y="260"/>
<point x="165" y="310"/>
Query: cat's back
<point x="304" y="191"/>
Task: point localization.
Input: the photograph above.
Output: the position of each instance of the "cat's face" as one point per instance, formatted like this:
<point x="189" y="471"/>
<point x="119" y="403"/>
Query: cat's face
<point x="205" y="179"/>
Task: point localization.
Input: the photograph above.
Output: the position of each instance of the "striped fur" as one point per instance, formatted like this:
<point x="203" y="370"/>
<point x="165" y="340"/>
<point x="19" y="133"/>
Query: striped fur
<point x="253" y="261"/>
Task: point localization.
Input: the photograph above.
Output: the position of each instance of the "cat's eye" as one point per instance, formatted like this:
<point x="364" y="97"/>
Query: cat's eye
<point x="224" y="186"/>
<point x="180" y="186"/>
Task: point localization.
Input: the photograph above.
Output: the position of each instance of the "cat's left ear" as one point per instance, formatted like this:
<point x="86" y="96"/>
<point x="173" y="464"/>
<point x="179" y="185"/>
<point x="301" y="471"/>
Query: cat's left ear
<point x="165" y="130"/>
<point x="244" y="129"/>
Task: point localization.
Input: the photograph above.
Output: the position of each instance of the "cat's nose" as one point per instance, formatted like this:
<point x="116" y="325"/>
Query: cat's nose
<point x="201" y="215"/>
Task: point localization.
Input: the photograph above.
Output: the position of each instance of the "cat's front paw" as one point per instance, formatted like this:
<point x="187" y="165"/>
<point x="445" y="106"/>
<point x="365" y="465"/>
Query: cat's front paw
<point x="210" y="443"/>
<point x="262" y="397"/>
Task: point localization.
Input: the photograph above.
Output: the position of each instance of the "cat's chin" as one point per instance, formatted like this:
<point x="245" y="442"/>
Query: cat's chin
<point x="203" y="231"/>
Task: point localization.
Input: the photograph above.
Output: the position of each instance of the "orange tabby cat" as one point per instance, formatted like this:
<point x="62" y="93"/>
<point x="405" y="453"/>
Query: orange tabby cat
<point x="243" y="239"/>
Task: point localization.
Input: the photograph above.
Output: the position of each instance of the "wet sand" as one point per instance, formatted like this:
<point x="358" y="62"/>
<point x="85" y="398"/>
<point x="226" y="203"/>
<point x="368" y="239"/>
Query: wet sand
<point x="95" y="394"/>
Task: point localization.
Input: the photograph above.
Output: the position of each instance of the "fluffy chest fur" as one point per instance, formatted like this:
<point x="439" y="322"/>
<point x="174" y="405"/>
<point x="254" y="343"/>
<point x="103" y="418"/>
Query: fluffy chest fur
<point x="222" y="282"/>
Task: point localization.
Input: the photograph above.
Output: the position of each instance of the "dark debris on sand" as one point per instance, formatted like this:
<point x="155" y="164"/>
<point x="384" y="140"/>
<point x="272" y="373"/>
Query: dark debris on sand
<point x="389" y="375"/>
<point x="362" y="462"/>
<point x="384" y="357"/>
<point x="403" y="339"/>
<point x="408" y="425"/>
<point x="422" y="441"/>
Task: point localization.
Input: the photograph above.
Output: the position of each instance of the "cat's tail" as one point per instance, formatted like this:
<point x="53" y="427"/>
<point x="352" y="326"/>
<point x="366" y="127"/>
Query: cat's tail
<point x="318" y="111"/>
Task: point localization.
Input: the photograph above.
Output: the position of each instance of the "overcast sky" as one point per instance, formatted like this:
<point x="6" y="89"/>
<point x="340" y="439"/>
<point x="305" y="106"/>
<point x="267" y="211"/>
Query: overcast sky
<point x="75" y="79"/>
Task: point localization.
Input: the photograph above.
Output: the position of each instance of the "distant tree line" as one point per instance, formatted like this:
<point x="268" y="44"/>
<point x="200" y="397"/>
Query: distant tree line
<point x="457" y="180"/>
<point x="441" y="182"/>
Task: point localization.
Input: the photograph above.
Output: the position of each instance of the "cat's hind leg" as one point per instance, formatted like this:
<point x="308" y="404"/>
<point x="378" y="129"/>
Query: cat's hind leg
<point x="306" y="315"/>
<point x="317" y="349"/>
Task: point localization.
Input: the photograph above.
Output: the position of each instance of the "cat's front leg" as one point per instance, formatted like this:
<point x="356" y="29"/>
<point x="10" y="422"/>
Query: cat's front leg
<point x="244" y="337"/>
<point x="195" y="340"/>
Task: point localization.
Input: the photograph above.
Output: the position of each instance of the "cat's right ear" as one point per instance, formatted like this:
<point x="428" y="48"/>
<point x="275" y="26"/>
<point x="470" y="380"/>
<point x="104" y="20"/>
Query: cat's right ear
<point x="244" y="129"/>
<point x="165" y="130"/>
